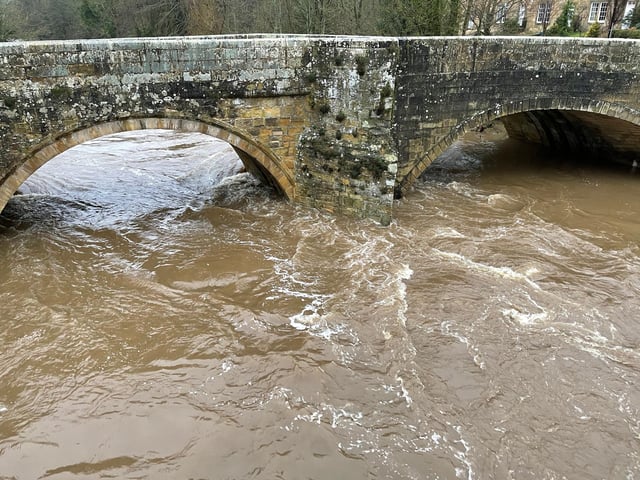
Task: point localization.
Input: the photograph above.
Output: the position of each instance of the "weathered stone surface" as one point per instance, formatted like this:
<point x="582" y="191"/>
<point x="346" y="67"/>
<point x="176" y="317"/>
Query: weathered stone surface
<point x="338" y="123"/>
<point x="566" y="93"/>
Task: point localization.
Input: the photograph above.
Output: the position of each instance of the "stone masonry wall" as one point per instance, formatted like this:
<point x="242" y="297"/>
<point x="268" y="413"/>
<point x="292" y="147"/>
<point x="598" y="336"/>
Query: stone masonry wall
<point x="446" y="86"/>
<point x="250" y="87"/>
<point x="348" y="154"/>
<point x="276" y="99"/>
<point x="337" y="123"/>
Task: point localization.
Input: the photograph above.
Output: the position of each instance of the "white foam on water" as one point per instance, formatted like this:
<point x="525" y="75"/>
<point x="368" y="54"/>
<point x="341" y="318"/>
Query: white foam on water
<point x="501" y="201"/>
<point x="525" y="318"/>
<point x="318" y="324"/>
<point x="447" y="232"/>
<point x="400" y="292"/>
<point x="309" y="317"/>
<point x="331" y="415"/>
<point x="601" y="347"/>
<point x="446" y="327"/>
<point x="462" y="456"/>
<point x="227" y="365"/>
<point x="211" y="171"/>
<point x="498" y="272"/>
<point x="404" y="393"/>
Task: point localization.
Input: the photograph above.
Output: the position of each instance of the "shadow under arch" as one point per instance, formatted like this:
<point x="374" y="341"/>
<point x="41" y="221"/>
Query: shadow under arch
<point x="257" y="159"/>
<point x="585" y="115"/>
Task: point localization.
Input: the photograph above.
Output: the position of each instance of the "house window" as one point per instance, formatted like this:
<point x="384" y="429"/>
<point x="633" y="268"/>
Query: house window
<point x="570" y="13"/>
<point x="598" y="12"/>
<point x="522" y="15"/>
<point x="544" y="13"/>
<point x="627" y="11"/>
<point x="501" y="14"/>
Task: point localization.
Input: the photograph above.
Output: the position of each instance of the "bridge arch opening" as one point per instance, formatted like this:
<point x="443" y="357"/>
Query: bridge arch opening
<point x="257" y="159"/>
<point x="596" y="130"/>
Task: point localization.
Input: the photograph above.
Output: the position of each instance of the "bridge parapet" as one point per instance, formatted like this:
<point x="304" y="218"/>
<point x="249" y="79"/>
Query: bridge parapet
<point x="338" y="123"/>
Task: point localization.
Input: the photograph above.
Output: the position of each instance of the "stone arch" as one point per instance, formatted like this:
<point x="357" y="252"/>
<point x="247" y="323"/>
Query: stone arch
<point x="256" y="158"/>
<point x="616" y="111"/>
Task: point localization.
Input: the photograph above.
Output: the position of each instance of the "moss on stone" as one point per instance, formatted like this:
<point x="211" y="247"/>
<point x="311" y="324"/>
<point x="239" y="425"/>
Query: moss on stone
<point x="61" y="92"/>
<point x="361" y="64"/>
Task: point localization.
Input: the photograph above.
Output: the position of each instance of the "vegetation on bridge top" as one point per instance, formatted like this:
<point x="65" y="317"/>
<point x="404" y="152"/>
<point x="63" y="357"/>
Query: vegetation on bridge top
<point x="70" y="19"/>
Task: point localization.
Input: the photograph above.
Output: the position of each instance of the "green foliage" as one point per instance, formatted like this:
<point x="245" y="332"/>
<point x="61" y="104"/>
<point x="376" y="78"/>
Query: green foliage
<point x="352" y="169"/>
<point x="324" y="107"/>
<point x="98" y="18"/>
<point x="9" y="102"/>
<point x="511" y="27"/>
<point x="629" y="33"/>
<point x="633" y="18"/>
<point x="66" y="19"/>
<point x="420" y="17"/>
<point x="164" y="18"/>
<point x="386" y="91"/>
<point x="594" y="30"/>
<point x="377" y="166"/>
<point x="61" y="92"/>
<point x="562" y="27"/>
<point x="43" y="19"/>
<point x="7" y="28"/>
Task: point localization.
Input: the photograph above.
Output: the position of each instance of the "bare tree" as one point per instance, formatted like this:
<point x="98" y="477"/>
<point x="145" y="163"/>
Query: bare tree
<point x="8" y="20"/>
<point x="485" y="15"/>
<point x="419" y="17"/>
<point x="273" y="16"/>
<point x="615" y="15"/>
<point x="205" y="17"/>
<point x="357" y="16"/>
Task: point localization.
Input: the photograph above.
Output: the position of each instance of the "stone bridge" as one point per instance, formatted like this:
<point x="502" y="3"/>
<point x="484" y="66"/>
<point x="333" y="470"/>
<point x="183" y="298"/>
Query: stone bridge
<point x="339" y="123"/>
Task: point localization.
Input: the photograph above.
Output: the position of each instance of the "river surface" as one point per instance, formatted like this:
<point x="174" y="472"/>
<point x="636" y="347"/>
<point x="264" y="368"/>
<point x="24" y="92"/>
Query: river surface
<point x="164" y="316"/>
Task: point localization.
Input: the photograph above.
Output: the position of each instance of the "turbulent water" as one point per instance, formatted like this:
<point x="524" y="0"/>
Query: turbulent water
<point x="164" y="316"/>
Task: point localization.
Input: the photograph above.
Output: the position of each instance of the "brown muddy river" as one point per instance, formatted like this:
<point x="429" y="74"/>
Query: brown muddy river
<point x="166" y="317"/>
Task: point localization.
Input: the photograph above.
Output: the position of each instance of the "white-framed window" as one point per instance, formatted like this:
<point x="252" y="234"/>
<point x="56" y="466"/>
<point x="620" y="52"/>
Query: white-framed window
<point x="544" y="13"/>
<point x="501" y="13"/>
<point x="631" y="4"/>
<point x="522" y="15"/>
<point x="570" y="13"/>
<point x="598" y="12"/>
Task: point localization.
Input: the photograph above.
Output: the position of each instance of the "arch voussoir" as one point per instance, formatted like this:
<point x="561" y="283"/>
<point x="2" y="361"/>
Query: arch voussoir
<point x="267" y="161"/>
<point x="481" y="118"/>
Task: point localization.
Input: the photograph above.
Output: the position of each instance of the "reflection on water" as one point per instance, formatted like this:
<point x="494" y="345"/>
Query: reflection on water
<point x="165" y="316"/>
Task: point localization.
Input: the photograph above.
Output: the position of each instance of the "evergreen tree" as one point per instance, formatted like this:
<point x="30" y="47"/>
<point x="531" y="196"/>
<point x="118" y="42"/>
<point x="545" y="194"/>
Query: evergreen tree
<point x="8" y="27"/>
<point x="562" y="27"/>
<point x="633" y="18"/>
<point x="419" y="17"/>
<point x="99" y="17"/>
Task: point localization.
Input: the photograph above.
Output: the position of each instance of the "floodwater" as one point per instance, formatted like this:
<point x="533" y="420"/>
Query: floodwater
<point x="164" y="316"/>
